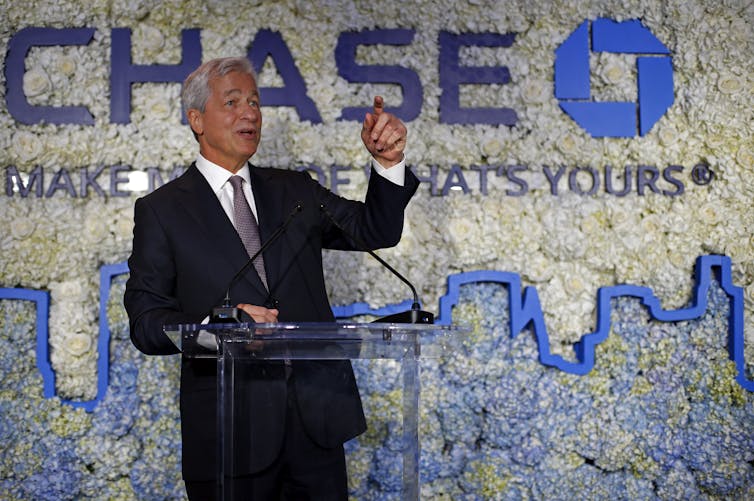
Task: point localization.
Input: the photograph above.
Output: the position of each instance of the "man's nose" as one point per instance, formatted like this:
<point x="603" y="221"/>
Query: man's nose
<point x="250" y="111"/>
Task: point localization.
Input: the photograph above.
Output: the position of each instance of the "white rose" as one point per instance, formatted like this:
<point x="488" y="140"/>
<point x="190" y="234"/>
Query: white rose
<point x="668" y="136"/>
<point x="574" y="284"/>
<point x="309" y="144"/>
<point x="22" y="228"/>
<point x="535" y="92"/>
<point x="538" y="268"/>
<point x="67" y="65"/>
<point x="570" y="143"/>
<point x="729" y="84"/>
<point x="70" y="290"/>
<point x="745" y="156"/>
<point x="96" y="228"/>
<point x="614" y="74"/>
<point x="678" y="259"/>
<point x="160" y="109"/>
<point x="651" y="227"/>
<point x="492" y="147"/>
<point x="459" y="229"/>
<point x="593" y="224"/>
<point x="26" y="146"/>
<point x="739" y="251"/>
<point x="153" y="38"/>
<point x="77" y="344"/>
<point x="36" y="82"/>
<point x="709" y="213"/>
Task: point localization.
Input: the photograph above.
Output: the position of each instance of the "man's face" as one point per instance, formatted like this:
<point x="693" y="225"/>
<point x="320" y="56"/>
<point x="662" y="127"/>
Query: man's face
<point x="229" y="129"/>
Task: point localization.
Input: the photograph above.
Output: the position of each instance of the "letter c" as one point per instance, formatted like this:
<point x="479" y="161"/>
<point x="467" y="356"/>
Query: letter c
<point x="18" y="47"/>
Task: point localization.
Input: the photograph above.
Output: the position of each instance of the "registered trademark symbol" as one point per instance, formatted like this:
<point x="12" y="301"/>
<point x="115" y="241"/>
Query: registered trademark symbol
<point x="702" y="174"/>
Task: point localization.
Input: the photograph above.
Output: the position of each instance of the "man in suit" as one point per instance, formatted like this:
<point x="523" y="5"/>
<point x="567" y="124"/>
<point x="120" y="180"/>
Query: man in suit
<point x="186" y="249"/>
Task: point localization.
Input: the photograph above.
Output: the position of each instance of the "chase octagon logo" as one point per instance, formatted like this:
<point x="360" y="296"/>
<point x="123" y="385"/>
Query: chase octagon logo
<point x="654" y="78"/>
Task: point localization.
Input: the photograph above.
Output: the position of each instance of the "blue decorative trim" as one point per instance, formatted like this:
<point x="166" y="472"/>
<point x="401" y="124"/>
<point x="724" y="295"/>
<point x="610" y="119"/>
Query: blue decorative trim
<point x="625" y="37"/>
<point x="525" y="309"/>
<point x="356" y="309"/>
<point x="106" y="274"/>
<point x="42" y="300"/>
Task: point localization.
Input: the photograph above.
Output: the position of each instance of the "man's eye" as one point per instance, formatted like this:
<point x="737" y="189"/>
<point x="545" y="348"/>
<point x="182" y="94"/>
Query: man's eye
<point x="254" y="104"/>
<point x="229" y="102"/>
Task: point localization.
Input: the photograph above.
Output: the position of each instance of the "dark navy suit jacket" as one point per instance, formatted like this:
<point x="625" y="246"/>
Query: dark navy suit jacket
<point x="185" y="252"/>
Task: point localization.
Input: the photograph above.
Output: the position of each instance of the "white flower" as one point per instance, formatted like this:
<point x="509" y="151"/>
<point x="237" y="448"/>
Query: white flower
<point x="492" y="147"/>
<point x="160" y="109"/>
<point x="570" y="143"/>
<point x="152" y="37"/>
<point x="613" y="76"/>
<point x="668" y="135"/>
<point x="538" y="268"/>
<point x="22" y="228"/>
<point x="69" y="290"/>
<point x="614" y="73"/>
<point x="77" y="344"/>
<point x="309" y="145"/>
<point x="67" y="65"/>
<point x="536" y="91"/>
<point x="745" y="156"/>
<point x="652" y="227"/>
<point x="709" y="213"/>
<point x="36" y="82"/>
<point x="460" y="229"/>
<point x="26" y="146"/>
<point x="268" y="76"/>
<point x="729" y="84"/>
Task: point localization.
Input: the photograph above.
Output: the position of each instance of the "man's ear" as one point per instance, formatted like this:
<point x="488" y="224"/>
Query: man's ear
<point x="195" y="121"/>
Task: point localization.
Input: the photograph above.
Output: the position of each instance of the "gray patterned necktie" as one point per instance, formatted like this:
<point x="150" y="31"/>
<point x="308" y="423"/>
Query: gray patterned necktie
<point x="247" y="226"/>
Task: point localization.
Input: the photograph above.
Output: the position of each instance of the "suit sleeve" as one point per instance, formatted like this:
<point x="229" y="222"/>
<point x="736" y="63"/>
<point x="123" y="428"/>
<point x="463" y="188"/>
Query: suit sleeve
<point x="150" y="298"/>
<point x="377" y="222"/>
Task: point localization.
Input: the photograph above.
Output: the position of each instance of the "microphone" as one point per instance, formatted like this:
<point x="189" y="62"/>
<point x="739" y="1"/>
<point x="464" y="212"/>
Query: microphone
<point x="230" y="314"/>
<point x="413" y="316"/>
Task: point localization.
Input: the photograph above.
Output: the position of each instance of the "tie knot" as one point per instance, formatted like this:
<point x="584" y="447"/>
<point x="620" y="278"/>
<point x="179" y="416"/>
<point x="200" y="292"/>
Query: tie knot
<point x="236" y="182"/>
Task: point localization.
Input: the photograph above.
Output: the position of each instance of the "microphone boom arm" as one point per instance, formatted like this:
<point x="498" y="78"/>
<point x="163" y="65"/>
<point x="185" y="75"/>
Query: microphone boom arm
<point x="413" y="316"/>
<point x="228" y="313"/>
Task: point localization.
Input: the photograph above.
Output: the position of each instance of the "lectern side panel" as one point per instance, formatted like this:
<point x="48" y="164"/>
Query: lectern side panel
<point x="410" y="428"/>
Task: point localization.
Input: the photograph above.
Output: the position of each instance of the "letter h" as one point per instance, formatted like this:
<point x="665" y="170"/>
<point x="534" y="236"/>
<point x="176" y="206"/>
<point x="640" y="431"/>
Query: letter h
<point x="123" y="73"/>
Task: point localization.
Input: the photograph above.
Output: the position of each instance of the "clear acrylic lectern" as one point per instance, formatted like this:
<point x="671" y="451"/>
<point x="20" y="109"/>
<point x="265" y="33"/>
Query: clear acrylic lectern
<point x="236" y="343"/>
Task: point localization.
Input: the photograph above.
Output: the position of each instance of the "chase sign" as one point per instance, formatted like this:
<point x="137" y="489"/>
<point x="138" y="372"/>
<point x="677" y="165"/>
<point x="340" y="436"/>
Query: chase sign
<point x="654" y="78"/>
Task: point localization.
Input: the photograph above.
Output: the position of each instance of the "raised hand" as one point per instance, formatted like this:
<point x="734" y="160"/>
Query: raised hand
<point x="384" y="135"/>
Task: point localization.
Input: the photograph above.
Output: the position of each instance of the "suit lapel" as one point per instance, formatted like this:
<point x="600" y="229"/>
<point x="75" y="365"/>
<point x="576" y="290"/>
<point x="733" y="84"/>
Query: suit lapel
<point x="269" y="199"/>
<point x="202" y="205"/>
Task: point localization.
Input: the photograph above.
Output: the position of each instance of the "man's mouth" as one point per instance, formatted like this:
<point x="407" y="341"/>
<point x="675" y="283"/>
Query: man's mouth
<point x="247" y="133"/>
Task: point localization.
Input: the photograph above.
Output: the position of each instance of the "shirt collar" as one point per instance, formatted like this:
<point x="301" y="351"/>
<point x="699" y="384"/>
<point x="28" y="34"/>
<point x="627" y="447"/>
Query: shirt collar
<point x="217" y="176"/>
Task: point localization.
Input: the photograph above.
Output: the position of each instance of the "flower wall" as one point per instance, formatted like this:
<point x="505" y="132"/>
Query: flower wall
<point x="660" y="416"/>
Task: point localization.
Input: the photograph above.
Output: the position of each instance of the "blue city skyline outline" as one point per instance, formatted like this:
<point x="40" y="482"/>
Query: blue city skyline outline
<point x="524" y="307"/>
<point x="654" y="78"/>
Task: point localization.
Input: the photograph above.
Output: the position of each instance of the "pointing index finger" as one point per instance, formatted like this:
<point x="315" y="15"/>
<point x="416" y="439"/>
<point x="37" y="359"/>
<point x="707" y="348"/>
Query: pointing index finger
<point x="379" y="105"/>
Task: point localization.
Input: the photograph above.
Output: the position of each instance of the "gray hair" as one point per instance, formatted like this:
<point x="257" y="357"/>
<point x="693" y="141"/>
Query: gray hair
<point x="196" y="86"/>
